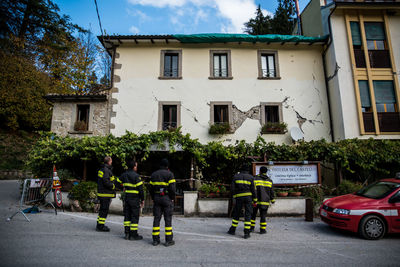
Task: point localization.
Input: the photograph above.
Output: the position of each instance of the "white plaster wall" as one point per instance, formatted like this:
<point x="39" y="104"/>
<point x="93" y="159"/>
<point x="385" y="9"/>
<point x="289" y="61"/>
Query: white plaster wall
<point x="394" y="29"/>
<point x="302" y="86"/>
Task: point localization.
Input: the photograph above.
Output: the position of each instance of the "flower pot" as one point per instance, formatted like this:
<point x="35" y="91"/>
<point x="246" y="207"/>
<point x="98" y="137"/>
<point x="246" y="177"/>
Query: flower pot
<point x="212" y="195"/>
<point x="295" y="194"/>
<point x="202" y="194"/>
<point x="282" y="194"/>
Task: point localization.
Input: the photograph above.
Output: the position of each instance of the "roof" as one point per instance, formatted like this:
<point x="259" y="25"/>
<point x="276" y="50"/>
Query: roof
<point x="101" y="96"/>
<point x="213" y="38"/>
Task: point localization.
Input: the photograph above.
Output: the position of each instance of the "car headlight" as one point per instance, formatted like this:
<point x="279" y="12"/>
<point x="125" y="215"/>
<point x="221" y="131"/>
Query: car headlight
<point x="341" y="211"/>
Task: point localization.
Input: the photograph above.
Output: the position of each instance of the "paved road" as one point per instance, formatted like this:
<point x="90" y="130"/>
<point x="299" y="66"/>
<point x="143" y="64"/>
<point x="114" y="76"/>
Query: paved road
<point x="69" y="239"/>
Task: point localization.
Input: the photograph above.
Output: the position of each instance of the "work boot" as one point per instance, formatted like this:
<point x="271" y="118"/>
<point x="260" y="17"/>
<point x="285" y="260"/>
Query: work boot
<point x="246" y="234"/>
<point x="134" y="235"/>
<point x="263" y="231"/>
<point x="169" y="241"/>
<point x="127" y="233"/>
<point x="232" y="230"/>
<point x="102" y="228"/>
<point x="156" y="240"/>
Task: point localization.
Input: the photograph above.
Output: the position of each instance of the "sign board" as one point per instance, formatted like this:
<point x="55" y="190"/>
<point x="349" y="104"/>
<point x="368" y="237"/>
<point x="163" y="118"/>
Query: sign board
<point x="291" y="173"/>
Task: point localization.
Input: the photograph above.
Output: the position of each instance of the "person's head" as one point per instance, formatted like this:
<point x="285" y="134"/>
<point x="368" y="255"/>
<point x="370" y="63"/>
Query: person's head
<point x="263" y="170"/>
<point x="108" y="160"/>
<point x="132" y="165"/>
<point x="164" y="163"/>
<point x="245" y="167"/>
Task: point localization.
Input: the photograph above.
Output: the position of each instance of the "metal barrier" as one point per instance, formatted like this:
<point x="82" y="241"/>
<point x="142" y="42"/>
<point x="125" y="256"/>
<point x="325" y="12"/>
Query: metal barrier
<point x="34" y="193"/>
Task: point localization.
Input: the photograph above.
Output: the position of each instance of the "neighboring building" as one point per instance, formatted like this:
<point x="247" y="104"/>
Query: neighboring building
<point x="362" y="59"/>
<point x="197" y="81"/>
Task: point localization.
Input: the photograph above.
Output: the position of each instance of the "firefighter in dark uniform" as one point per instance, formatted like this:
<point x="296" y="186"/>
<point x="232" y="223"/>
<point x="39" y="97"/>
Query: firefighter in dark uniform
<point x="105" y="192"/>
<point x="162" y="188"/>
<point x="134" y="198"/>
<point x="265" y="195"/>
<point x="244" y="194"/>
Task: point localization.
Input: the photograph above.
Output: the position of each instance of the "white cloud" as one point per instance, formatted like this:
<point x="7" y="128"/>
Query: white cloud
<point x="137" y="13"/>
<point x="133" y="30"/>
<point x="237" y="12"/>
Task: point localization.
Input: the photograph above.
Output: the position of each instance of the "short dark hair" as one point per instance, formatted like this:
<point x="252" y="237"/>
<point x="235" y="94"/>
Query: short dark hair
<point x="164" y="163"/>
<point x="131" y="164"/>
<point x="263" y="170"/>
<point x="245" y="167"/>
<point x="107" y="159"/>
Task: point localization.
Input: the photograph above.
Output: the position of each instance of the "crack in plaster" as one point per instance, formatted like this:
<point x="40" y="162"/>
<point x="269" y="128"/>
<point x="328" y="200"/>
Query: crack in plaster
<point x="337" y="68"/>
<point x="240" y="116"/>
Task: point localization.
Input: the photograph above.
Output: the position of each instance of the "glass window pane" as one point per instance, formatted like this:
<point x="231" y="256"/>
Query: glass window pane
<point x="167" y="65"/>
<point x="380" y="107"/>
<point x="384" y="92"/>
<point x="224" y="66"/>
<point x="374" y="31"/>
<point x="355" y="33"/>
<point x="271" y="66"/>
<point x="364" y="94"/>
<point x="380" y="45"/>
<point x="390" y="108"/>
<point x="264" y="66"/>
<point x="174" y="66"/>
<point x="216" y="66"/>
<point x="371" y="45"/>
<point x="271" y="114"/>
<point x="221" y="113"/>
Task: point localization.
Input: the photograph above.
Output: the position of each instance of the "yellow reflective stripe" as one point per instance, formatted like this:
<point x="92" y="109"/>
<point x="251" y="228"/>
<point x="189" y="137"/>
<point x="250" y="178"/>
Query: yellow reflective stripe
<point x="119" y="181"/>
<point x="168" y="233"/>
<point x="112" y="178"/>
<point x="127" y="223"/>
<point x="263" y="203"/>
<point x="255" y="199"/>
<point x="128" y="184"/>
<point x="156" y="228"/>
<point x="243" y="194"/>
<point x="140" y="183"/>
<point x="263" y="227"/>
<point x="156" y="233"/>
<point x="236" y="221"/>
<point x="158" y="183"/>
<point x="105" y="195"/>
<point x="100" y="174"/>
<point x="247" y="227"/>
<point x="101" y="222"/>
<point x="132" y="191"/>
<point x="113" y="186"/>
<point x="168" y="228"/>
<point x="134" y="228"/>
<point x="263" y="223"/>
<point x="247" y="223"/>
<point x="242" y="182"/>
<point x="171" y="181"/>
<point x="253" y="221"/>
<point x="273" y="201"/>
<point x="234" y="224"/>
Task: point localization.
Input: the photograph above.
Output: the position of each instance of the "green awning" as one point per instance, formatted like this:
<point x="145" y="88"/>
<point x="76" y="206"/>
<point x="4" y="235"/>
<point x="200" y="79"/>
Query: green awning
<point x="227" y="37"/>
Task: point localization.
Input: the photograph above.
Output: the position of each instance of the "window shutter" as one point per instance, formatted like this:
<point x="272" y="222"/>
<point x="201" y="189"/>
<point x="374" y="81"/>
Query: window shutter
<point x="364" y="94"/>
<point x="384" y="92"/>
<point x="355" y="33"/>
<point x="374" y="31"/>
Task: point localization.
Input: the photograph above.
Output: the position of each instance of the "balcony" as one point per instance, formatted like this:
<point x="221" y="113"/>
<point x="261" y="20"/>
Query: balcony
<point x="379" y="58"/>
<point x="359" y="57"/>
<point x="369" y="125"/>
<point x="389" y="121"/>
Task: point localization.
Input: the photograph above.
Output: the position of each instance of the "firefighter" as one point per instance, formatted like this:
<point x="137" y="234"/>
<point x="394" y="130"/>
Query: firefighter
<point x="265" y="195"/>
<point x="133" y="200"/>
<point x="105" y="192"/>
<point x="244" y="195"/>
<point x="162" y="188"/>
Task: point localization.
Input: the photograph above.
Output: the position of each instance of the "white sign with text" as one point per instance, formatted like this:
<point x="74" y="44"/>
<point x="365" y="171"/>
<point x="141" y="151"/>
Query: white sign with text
<point x="292" y="174"/>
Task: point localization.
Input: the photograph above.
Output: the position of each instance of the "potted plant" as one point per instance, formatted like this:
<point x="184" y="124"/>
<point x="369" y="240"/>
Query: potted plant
<point x="219" y="128"/>
<point x="274" y="127"/>
<point x="80" y="126"/>
<point x="282" y="193"/>
<point x="295" y="192"/>
<point x="204" y="190"/>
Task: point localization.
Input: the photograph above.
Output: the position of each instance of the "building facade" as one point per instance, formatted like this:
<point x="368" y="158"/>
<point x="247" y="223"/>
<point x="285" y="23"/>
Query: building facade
<point x="361" y="63"/>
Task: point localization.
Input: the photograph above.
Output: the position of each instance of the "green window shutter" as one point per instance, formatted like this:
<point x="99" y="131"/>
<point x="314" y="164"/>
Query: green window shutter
<point x="374" y="31"/>
<point x="384" y="92"/>
<point x="364" y="94"/>
<point x="355" y="33"/>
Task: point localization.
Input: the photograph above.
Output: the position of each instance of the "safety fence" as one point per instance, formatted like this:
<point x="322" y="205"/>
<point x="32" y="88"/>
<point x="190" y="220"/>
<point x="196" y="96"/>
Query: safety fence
<point x="34" y="193"/>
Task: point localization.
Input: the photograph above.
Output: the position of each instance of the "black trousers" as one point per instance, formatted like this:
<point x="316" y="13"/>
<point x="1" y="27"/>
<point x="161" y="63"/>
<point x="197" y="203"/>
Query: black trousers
<point x="162" y="206"/>
<point x="241" y="202"/>
<point x="131" y="214"/>
<point x="103" y="211"/>
<point x="263" y="213"/>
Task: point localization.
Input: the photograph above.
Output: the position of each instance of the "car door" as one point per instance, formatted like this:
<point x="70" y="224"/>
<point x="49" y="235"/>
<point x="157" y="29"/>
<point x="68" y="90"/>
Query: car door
<point x="395" y="211"/>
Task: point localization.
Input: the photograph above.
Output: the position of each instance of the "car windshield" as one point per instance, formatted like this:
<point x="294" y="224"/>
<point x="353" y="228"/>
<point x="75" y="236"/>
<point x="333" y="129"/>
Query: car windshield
<point x="378" y="190"/>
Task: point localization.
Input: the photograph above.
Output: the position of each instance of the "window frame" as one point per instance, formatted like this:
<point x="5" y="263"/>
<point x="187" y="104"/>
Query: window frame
<point x="229" y="64"/>
<point x="160" y="113"/>
<point x="262" y="115"/>
<point x="162" y="58"/>
<point x="74" y="118"/>
<point x="221" y="103"/>
<point x="260" y="53"/>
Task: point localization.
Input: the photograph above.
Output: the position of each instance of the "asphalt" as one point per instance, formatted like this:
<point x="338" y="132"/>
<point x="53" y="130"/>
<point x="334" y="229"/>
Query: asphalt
<point x="70" y="239"/>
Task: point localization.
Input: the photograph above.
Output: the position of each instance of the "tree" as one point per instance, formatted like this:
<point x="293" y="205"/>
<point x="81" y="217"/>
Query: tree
<point x="259" y="25"/>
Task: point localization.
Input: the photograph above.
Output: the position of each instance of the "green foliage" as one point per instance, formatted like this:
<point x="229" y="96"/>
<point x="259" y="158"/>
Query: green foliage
<point x="348" y="187"/>
<point x="219" y="128"/>
<point x="274" y="127"/>
<point x="85" y="193"/>
<point x="316" y="193"/>
<point x="259" y="25"/>
<point x="212" y="187"/>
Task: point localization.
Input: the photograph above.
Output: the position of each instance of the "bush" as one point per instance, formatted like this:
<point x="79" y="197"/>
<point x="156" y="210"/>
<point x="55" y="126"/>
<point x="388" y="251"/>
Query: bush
<point x="316" y="193"/>
<point x="85" y="193"/>
<point x="348" y="187"/>
<point x="220" y="128"/>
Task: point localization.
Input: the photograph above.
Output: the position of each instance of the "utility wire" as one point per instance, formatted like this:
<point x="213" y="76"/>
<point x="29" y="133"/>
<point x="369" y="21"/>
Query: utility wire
<point x="98" y="16"/>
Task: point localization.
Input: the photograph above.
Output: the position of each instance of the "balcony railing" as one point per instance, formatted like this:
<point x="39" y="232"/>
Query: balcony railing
<point x="169" y="125"/>
<point x="369" y="125"/>
<point x="360" y="58"/>
<point x="389" y="121"/>
<point x="379" y="58"/>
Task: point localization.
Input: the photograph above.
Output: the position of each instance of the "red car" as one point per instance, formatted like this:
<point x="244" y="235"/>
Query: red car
<point x="372" y="212"/>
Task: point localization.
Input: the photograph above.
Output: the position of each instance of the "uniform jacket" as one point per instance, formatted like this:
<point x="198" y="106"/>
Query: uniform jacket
<point x="243" y="185"/>
<point x="265" y="190"/>
<point x="162" y="181"/>
<point x="105" y="182"/>
<point x="132" y="184"/>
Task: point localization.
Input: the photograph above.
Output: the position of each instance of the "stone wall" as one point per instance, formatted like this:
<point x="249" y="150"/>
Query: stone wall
<point x="64" y="117"/>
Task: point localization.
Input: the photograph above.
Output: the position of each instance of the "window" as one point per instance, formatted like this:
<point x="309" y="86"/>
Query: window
<point x="169" y="115"/>
<point x="384" y="96"/>
<point x="366" y="107"/>
<point x="221" y="112"/>
<point x="376" y="45"/>
<point x="268" y="64"/>
<point x="171" y="64"/>
<point x="220" y="64"/>
<point x="357" y="44"/>
<point x="82" y="118"/>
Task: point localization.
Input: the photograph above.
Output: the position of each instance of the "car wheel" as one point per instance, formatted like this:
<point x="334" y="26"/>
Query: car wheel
<point x="372" y="227"/>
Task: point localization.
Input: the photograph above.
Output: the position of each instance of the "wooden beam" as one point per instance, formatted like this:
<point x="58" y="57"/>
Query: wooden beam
<point x="136" y="42"/>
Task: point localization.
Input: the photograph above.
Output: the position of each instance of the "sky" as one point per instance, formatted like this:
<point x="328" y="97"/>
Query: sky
<point x="125" y="17"/>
